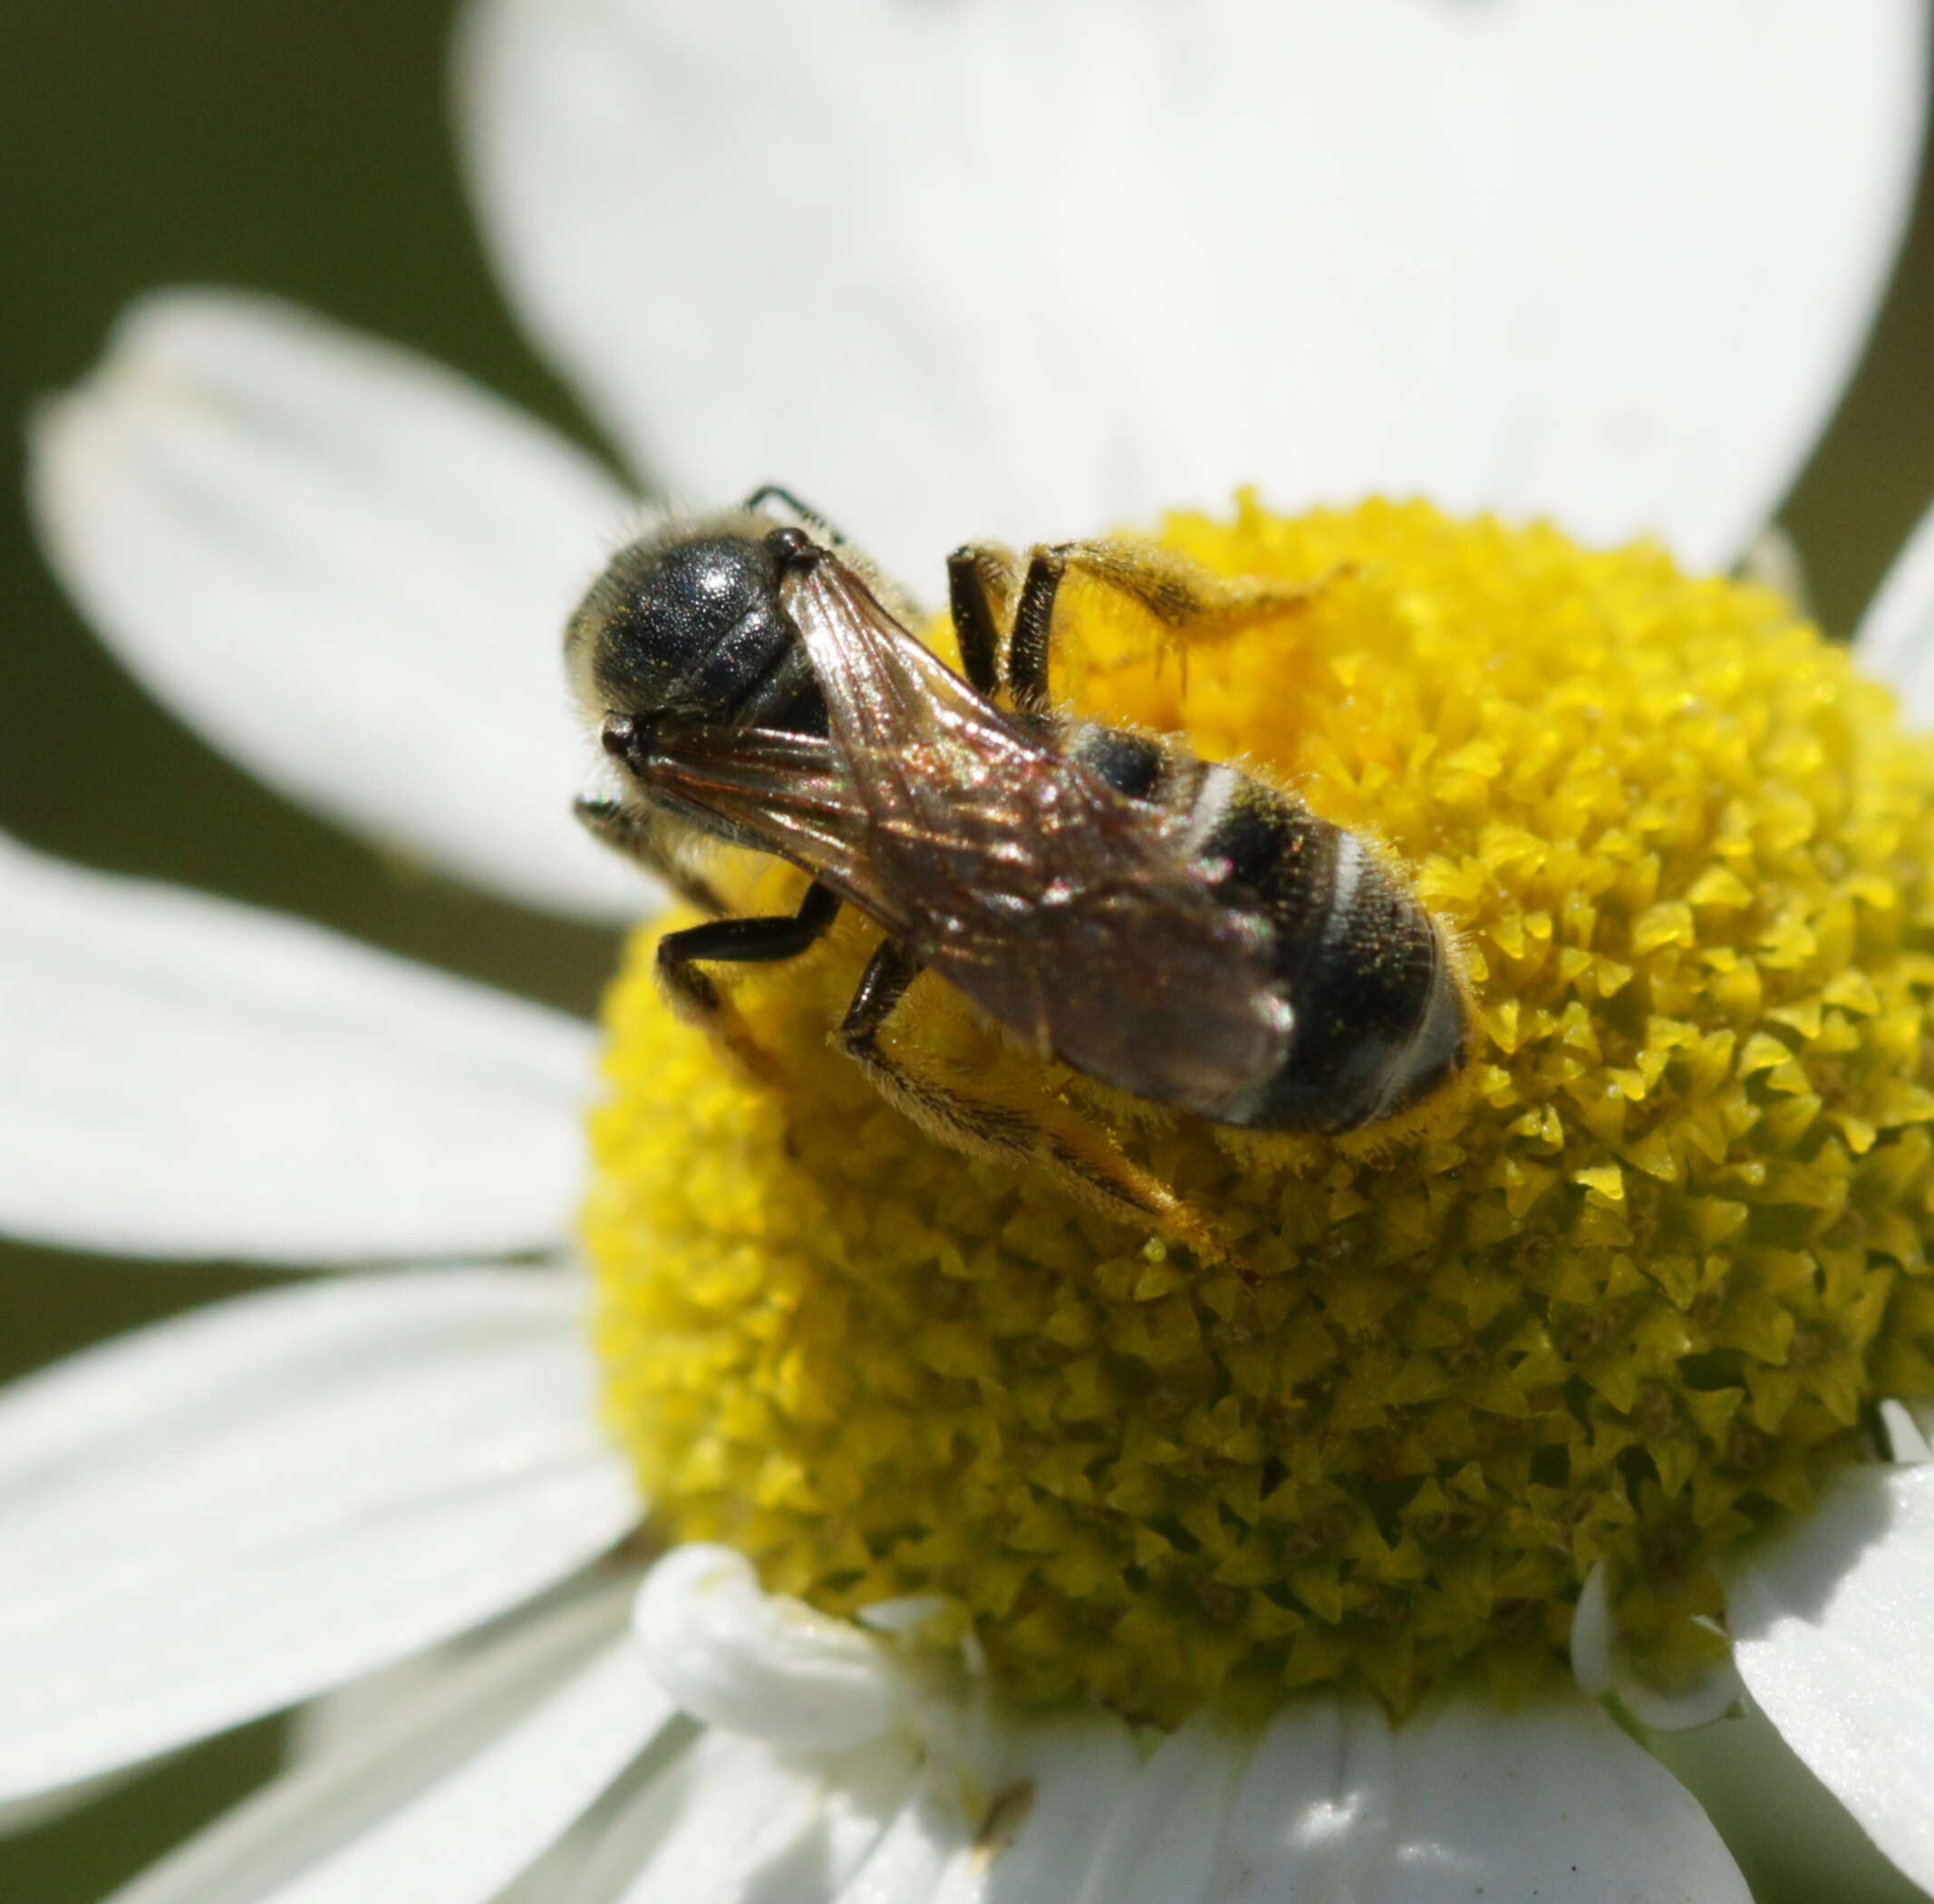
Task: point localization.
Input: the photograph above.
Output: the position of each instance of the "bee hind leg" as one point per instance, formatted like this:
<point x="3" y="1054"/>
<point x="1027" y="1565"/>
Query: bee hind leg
<point x="695" y="997"/>
<point x="1080" y="1156"/>
<point x="981" y="577"/>
<point x="1188" y="602"/>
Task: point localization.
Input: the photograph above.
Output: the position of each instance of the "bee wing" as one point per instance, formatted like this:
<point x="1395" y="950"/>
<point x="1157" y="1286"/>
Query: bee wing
<point x="1072" y="914"/>
<point x="787" y="794"/>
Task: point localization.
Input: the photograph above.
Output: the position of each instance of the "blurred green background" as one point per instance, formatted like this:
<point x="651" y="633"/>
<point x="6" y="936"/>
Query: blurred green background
<point x="302" y="148"/>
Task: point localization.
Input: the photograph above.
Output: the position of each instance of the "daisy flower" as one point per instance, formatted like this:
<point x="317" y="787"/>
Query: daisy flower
<point x="800" y="1512"/>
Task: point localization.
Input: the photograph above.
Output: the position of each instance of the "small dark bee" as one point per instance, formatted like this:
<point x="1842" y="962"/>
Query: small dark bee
<point x="1170" y="926"/>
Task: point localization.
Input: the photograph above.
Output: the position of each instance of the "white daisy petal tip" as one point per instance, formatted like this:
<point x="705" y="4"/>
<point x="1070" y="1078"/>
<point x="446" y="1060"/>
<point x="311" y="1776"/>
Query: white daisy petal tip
<point x="1601" y="1668"/>
<point x="747" y="1661"/>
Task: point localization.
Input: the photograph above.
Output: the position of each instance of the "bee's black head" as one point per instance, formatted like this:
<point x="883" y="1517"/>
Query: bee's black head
<point x="689" y="621"/>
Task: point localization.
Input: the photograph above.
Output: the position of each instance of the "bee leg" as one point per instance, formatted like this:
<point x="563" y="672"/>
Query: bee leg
<point x="695" y="998"/>
<point x="1189" y="602"/>
<point x="980" y="594"/>
<point x="1078" y="1155"/>
<point x="639" y="839"/>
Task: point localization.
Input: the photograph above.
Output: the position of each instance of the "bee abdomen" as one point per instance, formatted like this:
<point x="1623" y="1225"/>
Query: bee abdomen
<point x="1130" y="763"/>
<point x="1378" y="1017"/>
<point x="1378" y="1020"/>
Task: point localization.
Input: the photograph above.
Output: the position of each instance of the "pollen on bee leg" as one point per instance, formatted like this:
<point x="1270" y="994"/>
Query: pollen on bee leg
<point x="1037" y="1130"/>
<point x="1621" y="1300"/>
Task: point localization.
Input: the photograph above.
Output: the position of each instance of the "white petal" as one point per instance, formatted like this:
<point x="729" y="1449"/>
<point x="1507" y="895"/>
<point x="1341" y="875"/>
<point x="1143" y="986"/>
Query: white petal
<point x="1832" y="1628"/>
<point x="1067" y="1778"/>
<point x="733" y="1822"/>
<point x="444" y="1799"/>
<point x="1547" y="1800"/>
<point x="180" y="1076"/>
<point x="1793" y="1838"/>
<point x="929" y="1837"/>
<point x="1162" y="1846"/>
<point x="347" y="567"/>
<point x="1312" y="1813"/>
<point x="1594" y="1633"/>
<point x="224" y="1515"/>
<point x="1463" y="1801"/>
<point x="1025" y="269"/>
<point x="1600" y="1665"/>
<point x="1896" y="638"/>
<point x="761" y="1663"/>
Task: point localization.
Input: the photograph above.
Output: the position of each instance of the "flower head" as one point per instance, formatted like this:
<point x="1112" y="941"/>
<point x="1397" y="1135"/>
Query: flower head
<point x="1621" y="1300"/>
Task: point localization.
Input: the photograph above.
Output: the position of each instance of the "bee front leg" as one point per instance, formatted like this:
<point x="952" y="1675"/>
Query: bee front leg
<point x="641" y="839"/>
<point x="1081" y="1158"/>
<point x="695" y="998"/>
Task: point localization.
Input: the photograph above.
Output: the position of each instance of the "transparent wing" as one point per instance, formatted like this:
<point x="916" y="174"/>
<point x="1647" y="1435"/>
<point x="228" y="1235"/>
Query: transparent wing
<point x="787" y="794"/>
<point x="1068" y="912"/>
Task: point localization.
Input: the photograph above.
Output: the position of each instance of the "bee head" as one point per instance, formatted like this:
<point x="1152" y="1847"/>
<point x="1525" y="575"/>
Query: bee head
<point x="687" y="620"/>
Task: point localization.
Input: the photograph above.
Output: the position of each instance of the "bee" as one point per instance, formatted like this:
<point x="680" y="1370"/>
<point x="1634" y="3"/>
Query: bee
<point x="1174" y="927"/>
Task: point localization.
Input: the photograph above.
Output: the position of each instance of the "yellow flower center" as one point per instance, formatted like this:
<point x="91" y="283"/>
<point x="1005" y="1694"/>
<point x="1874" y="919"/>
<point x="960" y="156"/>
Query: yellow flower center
<point x="1623" y="1291"/>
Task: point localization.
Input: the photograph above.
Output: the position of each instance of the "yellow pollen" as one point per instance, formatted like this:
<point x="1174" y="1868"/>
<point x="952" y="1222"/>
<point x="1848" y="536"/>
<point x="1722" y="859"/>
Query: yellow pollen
<point x="1626" y="1291"/>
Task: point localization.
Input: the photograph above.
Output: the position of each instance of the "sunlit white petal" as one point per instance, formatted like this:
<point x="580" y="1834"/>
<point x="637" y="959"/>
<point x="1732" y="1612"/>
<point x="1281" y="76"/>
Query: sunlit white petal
<point x="1793" y="1838"/>
<point x="1025" y="269"/>
<point x="248" y="1504"/>
<point x="1545" y="1799"/>
<point x="183" y="1075"/>
<point x="1161" y="1845"/>
<point x="1017" y="1821"/>
<point x="1460" y="1801"/>
<point x="1055" y="1784"/>
<point x="1834" y="1631"/>
<point x="1896" y="637"/>
<point x="1312" y="1809"/>
<point x="349" y="568"/>
<point x="439" y="1799"/>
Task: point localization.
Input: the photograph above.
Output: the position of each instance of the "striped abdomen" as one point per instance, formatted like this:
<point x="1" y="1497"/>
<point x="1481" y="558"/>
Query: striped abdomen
<point x="1378" y="1019"/>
